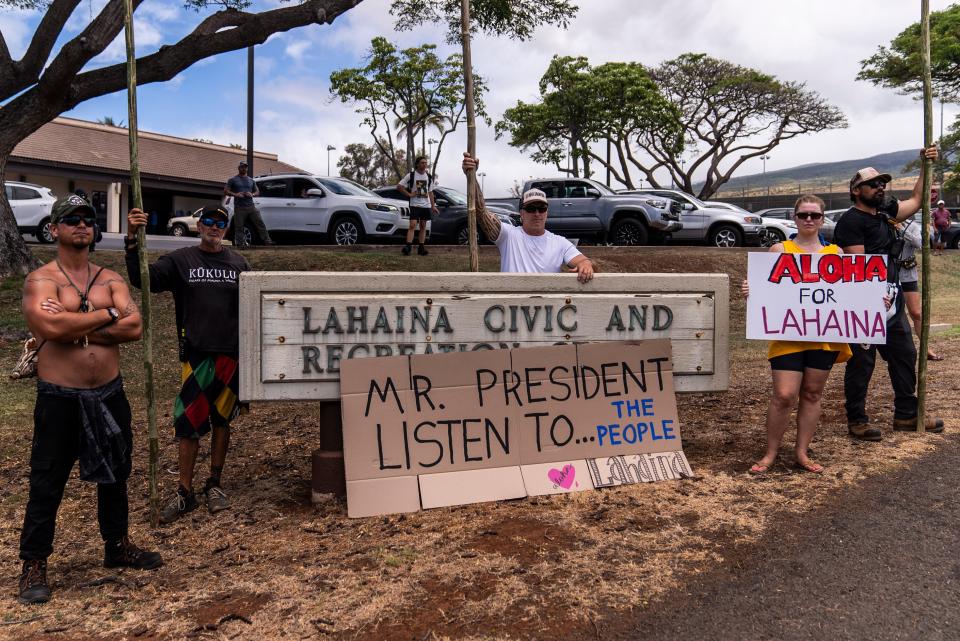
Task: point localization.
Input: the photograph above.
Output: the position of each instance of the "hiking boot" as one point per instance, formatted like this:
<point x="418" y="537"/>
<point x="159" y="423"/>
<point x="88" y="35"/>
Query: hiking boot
<point x="33" y="582"/>
<point x="217" y="500"/>
<point x="124" y="554"/>
<point x="422" y="251"/>
<point x="179" y="505"/>
<point x="863" y="432"/>
<point x="932" y="425"/>
<point x="406" y="250"/>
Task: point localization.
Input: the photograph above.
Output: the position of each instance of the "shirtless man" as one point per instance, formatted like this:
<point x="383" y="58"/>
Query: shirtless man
<point x="80" y="313"/>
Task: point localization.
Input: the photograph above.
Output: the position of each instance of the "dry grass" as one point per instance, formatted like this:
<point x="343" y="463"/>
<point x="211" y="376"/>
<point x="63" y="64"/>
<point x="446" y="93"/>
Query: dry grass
<point x="275" y="567"/>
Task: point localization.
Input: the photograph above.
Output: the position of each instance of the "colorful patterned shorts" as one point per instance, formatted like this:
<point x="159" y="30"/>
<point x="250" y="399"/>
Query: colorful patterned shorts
<point x="208" y="395"/>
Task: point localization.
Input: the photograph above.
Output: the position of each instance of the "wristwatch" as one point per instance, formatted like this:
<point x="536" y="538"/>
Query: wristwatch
<point x="129" y="243"/>
<point x="114" y="314"/>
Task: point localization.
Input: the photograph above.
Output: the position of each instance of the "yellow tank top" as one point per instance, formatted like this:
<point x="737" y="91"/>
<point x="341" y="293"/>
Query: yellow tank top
<point x="782" y="348"/>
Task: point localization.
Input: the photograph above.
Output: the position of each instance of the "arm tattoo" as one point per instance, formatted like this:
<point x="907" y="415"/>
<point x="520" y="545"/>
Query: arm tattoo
<point x="130" y="309"/>
<point x="489" y="223"/>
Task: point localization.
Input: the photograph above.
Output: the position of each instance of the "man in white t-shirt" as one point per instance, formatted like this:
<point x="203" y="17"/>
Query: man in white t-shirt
<point x="418" y="187"/>
<point x="530" y="248"/>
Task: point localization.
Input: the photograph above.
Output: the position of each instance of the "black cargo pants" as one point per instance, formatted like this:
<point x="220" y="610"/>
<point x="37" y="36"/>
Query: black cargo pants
<point x="56" y="445"/>
<point x="901" y="356"/>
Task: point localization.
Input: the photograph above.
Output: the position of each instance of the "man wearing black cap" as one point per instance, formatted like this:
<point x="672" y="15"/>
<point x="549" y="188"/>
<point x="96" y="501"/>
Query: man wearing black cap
<point x="79" y="313"/>
<point x="205" y="281"/>
<point x="243" y="189"/>
<point x="868" y="228"/>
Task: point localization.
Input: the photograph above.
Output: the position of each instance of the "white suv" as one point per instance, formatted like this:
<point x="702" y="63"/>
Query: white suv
<point x="31" y="206"/>
<point x="341" y="211"/>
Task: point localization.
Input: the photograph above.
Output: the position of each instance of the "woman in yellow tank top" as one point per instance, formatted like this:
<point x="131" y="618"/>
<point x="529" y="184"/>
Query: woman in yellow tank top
<point x="800" y="369"/>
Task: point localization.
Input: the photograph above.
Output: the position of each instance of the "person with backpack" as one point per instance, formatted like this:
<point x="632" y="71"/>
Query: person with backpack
<point x="868" y="227"/>
<point x="418" y="186"/>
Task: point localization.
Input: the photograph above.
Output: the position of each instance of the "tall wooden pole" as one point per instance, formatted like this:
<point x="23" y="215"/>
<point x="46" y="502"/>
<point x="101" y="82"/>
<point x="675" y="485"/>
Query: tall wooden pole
<point x="926" y="280"/>
<point x="471" y="134"/>
<point x="136" y="200"/>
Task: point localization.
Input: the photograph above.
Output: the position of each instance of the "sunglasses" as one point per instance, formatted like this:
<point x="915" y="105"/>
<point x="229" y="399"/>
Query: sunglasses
<point x="219" y="223"/>
<point x="535" y="209"/>
<point x="806" y="215"/>
<point x="74" y="219"/>
<point x="876" y="183"/>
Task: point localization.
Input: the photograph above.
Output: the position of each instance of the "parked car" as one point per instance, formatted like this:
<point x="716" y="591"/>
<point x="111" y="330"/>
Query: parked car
<point x="450" y="225"/>
<point x="716" y="226"/>
<point x="300" y="207"/>
<point x="31" y="206"/>
<point x="184" y="225"/>
<point x="583" y="208"/>
<point x="775" y="230"/>
<point x="779" y="222"/>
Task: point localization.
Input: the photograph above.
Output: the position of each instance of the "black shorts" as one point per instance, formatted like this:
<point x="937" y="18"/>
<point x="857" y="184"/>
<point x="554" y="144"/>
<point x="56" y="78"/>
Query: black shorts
<point x="798" y="361"/>
<point x="909" y="286"/>
<point x="420" y="213"/>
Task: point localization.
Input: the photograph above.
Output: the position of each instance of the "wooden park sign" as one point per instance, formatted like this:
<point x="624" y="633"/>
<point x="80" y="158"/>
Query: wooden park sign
<point x="297" y="329"/>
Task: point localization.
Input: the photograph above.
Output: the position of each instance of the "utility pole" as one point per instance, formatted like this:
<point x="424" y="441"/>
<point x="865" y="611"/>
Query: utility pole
<point x="926" y="278"/>
<point x="329" y="149"/>
<point x="250" y="171"/>
<point x="765" y="158"/>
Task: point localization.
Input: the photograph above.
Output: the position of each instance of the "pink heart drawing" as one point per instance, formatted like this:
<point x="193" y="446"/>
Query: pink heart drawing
<point x="563" y="478"/>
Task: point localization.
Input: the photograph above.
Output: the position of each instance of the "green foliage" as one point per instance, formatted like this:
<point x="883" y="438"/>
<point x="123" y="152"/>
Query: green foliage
<point x="366" y="164"/>
<point x="730" y="114"/>
<point x="724" y="113"/>
<point x="899" y="66"/>
<point x="580" y="105"/>
<point x="410" y="89"/>
<point x="516" y="19"/>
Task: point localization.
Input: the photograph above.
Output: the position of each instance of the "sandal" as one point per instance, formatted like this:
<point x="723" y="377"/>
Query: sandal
<point x="813" y="468"/>
<point x="934" y="357"/>
<point x="758" y="469"/>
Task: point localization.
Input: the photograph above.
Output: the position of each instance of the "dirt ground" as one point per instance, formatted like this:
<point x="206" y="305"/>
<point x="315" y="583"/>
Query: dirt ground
<point x="275" y="567"/>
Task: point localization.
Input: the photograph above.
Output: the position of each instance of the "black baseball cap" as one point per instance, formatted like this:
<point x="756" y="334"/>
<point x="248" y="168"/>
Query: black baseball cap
<point x="242" y="163"/>
<point x="211" y="212"/>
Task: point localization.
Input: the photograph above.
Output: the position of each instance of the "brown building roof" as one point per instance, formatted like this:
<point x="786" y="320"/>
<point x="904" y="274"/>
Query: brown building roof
<point x="66" y="142"/>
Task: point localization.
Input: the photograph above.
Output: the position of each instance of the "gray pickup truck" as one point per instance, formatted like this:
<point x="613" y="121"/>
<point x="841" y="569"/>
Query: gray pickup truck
<point x="582" y="208"/>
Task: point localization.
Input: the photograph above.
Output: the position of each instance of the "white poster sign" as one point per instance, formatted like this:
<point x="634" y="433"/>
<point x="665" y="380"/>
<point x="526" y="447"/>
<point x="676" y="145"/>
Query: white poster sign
<point x="817" y="297"/>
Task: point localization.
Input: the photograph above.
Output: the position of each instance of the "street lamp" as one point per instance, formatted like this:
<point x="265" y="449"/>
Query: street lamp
<point x="329" y="149"/>
<point x="431" y="143"/>
<point x="482" y="175"/>
<point x="765" y="158"/>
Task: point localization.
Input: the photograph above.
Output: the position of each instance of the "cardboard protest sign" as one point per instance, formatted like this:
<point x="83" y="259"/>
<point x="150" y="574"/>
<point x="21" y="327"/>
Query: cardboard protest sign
<point x="835" y="298"/>
<point x="490" y="425"/>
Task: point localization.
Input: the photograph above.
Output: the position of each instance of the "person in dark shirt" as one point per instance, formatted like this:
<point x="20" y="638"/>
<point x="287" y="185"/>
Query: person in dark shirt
<point x="243" y="189"/>
<point x="868" y="228"/>
<point x="205" y="282"/>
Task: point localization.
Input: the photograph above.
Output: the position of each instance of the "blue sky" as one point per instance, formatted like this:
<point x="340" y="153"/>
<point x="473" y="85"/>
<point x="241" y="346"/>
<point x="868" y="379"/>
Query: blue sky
<point x="819" y="42"/>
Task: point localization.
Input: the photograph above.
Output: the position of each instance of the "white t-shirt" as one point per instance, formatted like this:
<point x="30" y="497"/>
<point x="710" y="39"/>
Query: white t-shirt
<point x="419" y="189"/>
<point x="521" y="253"/>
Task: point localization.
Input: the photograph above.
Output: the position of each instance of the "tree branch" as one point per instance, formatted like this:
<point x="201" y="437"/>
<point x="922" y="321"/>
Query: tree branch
<point x="206" y="41"/>
<point x="27" y="69"/>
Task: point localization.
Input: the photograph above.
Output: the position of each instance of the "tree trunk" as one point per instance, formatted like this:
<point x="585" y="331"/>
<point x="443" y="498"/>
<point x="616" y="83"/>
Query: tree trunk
<point x="15" y="257"/>
<point x="468" y="96"/>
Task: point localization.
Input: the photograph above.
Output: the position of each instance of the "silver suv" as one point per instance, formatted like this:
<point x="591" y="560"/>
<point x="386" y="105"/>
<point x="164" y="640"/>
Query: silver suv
<point x="299" y="206"/>
<point x="716" y="226"/>
<point x="31" y="206"/>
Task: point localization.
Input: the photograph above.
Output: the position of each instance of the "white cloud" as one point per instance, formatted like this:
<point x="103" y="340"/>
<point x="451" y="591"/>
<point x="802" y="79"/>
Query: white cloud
<point x="297" y="49"/>
<point x="819" y="42"/>
<point x="16" y="29"/>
